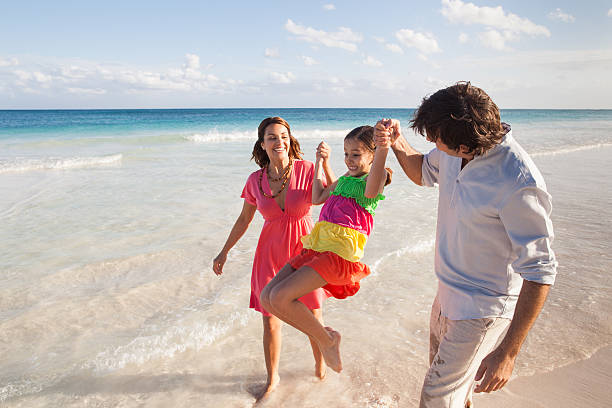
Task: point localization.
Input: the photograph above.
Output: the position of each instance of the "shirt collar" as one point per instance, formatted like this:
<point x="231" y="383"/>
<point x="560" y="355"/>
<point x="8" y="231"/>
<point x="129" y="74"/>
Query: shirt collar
<point x="507" y="136"/>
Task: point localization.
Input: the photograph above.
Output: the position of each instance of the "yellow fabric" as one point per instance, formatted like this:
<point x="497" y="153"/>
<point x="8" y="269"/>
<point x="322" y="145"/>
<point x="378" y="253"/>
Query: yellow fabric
<point x="343" y="241"/>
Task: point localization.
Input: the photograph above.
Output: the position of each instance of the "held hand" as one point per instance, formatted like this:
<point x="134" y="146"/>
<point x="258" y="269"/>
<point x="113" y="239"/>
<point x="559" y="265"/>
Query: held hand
<point x="323" y="151"/>
<point x="218" y="263"/>
<point x="384" y="141"/>
<point x="387" y="131"/>
<point x="496" y="368"/>
<point x="394" y="124"/>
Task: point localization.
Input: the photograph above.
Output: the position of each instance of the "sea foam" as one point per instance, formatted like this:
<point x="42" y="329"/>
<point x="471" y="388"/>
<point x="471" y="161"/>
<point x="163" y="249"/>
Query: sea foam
<point x="419" y="247"/>
<point x="175" y="339"/>
<point x="214" y="136"/>
<point x="57" y="163"/>
<point x="568" y="150"/>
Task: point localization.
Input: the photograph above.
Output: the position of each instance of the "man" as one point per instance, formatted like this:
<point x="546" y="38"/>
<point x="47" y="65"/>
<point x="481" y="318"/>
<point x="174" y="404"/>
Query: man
<point x="493" y="258"/>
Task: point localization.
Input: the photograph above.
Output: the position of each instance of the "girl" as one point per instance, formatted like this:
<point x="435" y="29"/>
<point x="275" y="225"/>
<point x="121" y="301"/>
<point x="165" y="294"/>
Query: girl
<point x="331" y="254"/>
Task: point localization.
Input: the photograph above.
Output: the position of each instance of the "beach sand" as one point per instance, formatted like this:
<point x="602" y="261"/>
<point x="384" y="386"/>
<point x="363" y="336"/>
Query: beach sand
<point x="584" y="383"/>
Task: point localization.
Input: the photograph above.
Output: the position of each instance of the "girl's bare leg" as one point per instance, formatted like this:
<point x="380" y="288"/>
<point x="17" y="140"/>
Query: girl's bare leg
<point x="283" y="297"/>
<point x="320" y="366"/>
<point x="272" y="340"/>
<point x="286" y="271"/>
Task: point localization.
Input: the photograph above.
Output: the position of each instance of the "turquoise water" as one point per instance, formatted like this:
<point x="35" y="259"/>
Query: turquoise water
<point x="110" y="219"/>
<point x="41" y="123"/>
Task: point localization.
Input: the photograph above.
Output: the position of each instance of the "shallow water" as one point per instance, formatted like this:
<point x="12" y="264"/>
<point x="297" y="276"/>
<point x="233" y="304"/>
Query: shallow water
<point x="110" y="220"/>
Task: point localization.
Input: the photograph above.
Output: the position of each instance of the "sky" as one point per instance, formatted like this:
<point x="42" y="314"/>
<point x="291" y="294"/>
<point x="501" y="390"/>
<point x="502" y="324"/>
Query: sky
<point x="285" y="54"/>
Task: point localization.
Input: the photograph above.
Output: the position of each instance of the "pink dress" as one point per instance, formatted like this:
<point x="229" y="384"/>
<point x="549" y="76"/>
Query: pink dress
<point x="280" y="236"/>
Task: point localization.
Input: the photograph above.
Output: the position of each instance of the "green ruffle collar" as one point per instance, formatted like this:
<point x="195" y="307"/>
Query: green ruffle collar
<point x="354" y="187"/>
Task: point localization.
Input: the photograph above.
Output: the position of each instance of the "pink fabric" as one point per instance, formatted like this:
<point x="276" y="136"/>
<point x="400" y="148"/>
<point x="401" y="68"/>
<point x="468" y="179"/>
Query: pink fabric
<point x="346" y="212"/>
<point x="279" y="239"/>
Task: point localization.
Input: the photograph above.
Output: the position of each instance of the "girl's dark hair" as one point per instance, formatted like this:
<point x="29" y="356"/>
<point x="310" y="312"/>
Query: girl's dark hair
<point x="461" y="114"/>
<point x="259" y="154"/>
<point x="365" y="134"/>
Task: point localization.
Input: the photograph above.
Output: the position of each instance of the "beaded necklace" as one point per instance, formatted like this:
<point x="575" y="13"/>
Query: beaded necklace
<point x="284" y="177"/>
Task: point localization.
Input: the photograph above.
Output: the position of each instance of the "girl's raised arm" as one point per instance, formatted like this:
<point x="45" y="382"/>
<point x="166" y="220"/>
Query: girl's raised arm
<point x="329" y="173"/>
<point x="378" y="174"/>
<point x="320" y="193"/>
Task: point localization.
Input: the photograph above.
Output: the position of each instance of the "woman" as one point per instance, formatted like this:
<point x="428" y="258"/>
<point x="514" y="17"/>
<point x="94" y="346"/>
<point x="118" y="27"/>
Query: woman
<point x="282" y="192"/>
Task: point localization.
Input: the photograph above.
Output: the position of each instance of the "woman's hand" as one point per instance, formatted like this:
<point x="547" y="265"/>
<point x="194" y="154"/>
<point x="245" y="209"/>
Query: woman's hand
<point x="218" y="263"/>
<point x="323" y="152"/>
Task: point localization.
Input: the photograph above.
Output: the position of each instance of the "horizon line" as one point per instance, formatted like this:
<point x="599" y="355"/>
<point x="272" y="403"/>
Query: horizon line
<point x="262" y="108"/>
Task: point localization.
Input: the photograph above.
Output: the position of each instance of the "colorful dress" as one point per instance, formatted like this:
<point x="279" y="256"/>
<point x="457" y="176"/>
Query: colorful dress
<point x="280" y="236"/>
<point x="335" y="246"/>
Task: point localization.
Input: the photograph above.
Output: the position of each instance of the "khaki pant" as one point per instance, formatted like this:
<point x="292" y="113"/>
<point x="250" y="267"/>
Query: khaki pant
<point x="456" y="349"/>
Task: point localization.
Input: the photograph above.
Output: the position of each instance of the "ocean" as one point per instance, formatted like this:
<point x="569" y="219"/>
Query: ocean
<point x="110" y="220"/>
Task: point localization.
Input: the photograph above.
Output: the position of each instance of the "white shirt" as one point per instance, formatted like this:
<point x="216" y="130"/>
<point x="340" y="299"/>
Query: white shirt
<point x="493" y="231"/>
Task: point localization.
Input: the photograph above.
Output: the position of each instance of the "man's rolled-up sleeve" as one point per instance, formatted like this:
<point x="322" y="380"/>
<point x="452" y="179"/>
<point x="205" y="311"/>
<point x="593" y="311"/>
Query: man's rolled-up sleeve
<point x="526" y="217"/>
<point x="430" y="170"/>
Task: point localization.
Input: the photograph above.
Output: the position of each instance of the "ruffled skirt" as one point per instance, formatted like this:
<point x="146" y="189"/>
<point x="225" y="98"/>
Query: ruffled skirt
<point x="342" y="276"/>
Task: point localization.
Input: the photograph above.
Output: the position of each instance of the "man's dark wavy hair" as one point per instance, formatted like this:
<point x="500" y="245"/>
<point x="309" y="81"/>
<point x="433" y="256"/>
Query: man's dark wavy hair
<point x="461" y="114"/>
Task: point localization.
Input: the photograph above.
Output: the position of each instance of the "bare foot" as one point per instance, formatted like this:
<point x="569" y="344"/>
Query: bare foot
<point x="320" y="366"/>
<point x="331" y="354"/>
<point x="268" y="388"/>
<point x="320" y="369"/>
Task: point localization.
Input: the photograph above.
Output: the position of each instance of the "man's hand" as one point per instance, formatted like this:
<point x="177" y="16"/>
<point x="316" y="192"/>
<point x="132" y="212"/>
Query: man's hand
<point x="496" y="368"/>
<point x="495" y="371"/>
<point x="387" y="131"/>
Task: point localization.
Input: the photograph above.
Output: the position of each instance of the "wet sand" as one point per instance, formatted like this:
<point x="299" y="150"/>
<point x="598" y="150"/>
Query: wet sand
<point x="582" y="384"/>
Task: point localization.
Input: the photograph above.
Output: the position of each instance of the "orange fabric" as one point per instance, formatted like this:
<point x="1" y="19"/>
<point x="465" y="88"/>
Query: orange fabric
<point x="342" y="276"/>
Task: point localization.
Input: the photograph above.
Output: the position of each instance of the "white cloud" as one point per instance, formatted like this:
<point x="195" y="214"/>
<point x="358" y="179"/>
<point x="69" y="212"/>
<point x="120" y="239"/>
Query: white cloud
<point x="85" y="77"/>
<point x="22" y="75"/>
<point x="610" y="13"/>
<point x="271" y="53"/>
<point x="457" y="11"/>
<point x="435" y="83"/>
<point x="43" y="79"/>
<point x="87" y="91"/>
<point x="344" y="38"/>
<point x="308" y="60"/>
<point x="463" y="38"/>
<point x="495" y="39"/>
<point x="189" y="78"/>
<point x="423" y="57"/>
<point x="193" y="61"/>
<point x="502" y="26"/>
<point x="282" y="78"/>
<point x="333" y="85"/>
<point x="559" y="60"/>
<point x="423" y="42"/>
<point x="329" y="7"/>
<point x="9" y="62"/>
<point x="394" y="48"/>
<point x="387" y="84"/>
<point x="560" y="15"/>
<point x="74" y="72"/>
<point x="371" y="61"/>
